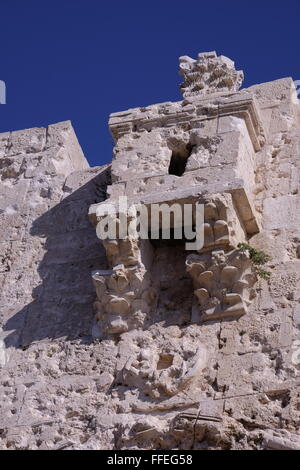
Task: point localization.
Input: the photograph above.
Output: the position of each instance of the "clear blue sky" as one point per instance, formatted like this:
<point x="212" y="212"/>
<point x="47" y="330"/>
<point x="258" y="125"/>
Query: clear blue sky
<point x="82" y="60"/>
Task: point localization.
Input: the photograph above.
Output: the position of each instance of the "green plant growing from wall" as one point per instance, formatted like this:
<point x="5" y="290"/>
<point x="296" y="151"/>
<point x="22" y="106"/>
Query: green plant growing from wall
<point x="258" y="257"/>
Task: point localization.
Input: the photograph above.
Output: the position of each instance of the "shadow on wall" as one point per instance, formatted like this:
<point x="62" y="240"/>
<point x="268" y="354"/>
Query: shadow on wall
<point x="63" y="302"/>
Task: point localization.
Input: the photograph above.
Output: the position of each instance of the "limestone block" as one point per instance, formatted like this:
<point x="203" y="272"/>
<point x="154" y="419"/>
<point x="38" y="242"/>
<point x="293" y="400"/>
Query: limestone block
<point x="221" y="150"/>
<point x="27" y="141"/>
<point x="282" y="212"/>
<point x="237" y="374"/>
<point x="145" y="153"/>
<point x="13" y="196"/>
<point x="63" y="135"/>
<point x="281" y="440"/>
<point x="278" y="97"/>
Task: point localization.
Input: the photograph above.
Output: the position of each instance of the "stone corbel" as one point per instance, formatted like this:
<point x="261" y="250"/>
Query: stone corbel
<point x="222" y="228"/>
<point x="125" y="293"/>
<point x="222" y="282"/>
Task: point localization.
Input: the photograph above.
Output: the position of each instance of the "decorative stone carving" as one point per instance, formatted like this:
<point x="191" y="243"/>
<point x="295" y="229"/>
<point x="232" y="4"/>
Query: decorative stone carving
<point x="208" y="74"/>
<point x="222" y="283"/>
<point x="221" y="225"/>
<point x="163" y="373"/>
<point x="125" y="292"/>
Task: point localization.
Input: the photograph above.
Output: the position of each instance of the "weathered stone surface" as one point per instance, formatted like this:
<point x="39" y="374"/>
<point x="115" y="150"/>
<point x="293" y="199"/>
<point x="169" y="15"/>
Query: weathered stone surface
<point x="222" y="283"/>
<point x="141" y="344"/>
<point x="208" y="74"/>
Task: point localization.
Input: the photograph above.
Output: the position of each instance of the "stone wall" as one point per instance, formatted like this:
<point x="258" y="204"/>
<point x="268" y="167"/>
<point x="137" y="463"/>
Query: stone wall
<point x="48" y="250"/>
<point x="163" y="364"/>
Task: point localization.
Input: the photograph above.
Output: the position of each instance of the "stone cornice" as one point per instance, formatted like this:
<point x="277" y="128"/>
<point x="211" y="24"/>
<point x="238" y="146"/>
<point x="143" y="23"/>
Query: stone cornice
<point x="190" y="112"/>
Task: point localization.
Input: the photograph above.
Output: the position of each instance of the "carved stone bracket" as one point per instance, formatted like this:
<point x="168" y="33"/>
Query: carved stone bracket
<point x="125" y="293"/>
<point x="222" y="283"/>
<point x="222" y="228"/>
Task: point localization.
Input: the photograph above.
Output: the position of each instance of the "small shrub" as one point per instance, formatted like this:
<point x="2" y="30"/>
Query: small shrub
<point x="258" y="257"/>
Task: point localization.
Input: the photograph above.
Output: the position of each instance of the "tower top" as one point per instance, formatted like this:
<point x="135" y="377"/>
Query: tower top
<point x="208" y="73"/>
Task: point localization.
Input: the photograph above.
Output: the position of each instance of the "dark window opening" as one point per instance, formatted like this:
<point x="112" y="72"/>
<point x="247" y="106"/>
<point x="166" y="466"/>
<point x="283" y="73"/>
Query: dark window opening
<point x="162" y="240"/>
<point x="179" y="159"/>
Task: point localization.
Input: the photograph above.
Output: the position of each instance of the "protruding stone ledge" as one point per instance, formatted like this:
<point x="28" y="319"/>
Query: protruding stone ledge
<point x="192" y="112"/>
